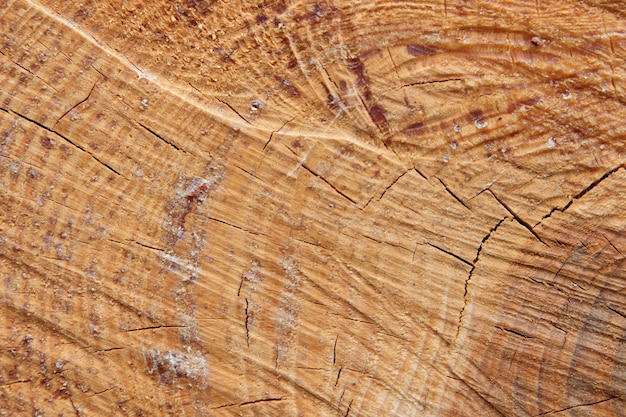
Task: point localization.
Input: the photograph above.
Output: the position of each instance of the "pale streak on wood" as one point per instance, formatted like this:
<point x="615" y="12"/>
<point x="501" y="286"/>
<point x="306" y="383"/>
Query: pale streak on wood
<point x="123" y="60"/>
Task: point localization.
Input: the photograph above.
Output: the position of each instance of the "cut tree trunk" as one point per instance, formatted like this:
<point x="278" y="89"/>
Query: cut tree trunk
<point x="331" y="208"/>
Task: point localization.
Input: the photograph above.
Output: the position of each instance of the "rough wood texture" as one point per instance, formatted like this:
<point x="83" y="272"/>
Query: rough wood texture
<point x="331" y="208"/>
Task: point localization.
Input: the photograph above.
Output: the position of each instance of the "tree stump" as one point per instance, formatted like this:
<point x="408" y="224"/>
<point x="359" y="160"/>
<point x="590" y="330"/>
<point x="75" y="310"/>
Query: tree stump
<point x="314" y="208"/>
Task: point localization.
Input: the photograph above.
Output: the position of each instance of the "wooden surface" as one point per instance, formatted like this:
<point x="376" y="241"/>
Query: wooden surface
<point x="332" y="208"/>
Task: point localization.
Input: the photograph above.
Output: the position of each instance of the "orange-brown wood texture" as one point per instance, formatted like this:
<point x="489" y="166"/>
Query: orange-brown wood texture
<point x="312" y="208"/>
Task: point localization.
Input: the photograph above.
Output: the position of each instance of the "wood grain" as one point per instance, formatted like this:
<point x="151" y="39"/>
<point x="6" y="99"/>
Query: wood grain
<point x="331" y="208"/>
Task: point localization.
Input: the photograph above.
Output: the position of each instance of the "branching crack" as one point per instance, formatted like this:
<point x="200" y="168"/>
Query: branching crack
<point x="482" y="242"/>
<point x="522" y="222"/>
<point x="76" y="105"/>
<point x="276" y="131"/>
<point x="471" y="272"/>
<point x="582" y="193"/>
<point x="386" y="189"/>
<point x="387" y="144"/>
<point x="47" y="129"/>
<point x="420" y="173"/>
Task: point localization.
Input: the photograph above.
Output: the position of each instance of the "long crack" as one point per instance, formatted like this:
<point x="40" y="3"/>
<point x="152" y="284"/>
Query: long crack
<point x="471" y="272"/>
<point x="581" y="194"/>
